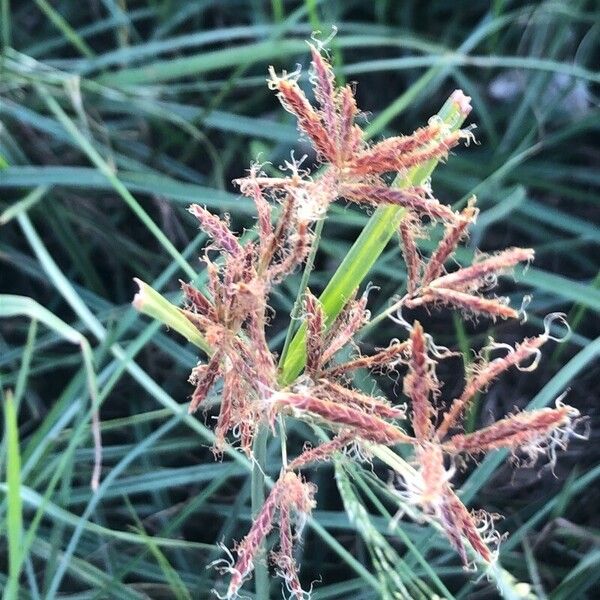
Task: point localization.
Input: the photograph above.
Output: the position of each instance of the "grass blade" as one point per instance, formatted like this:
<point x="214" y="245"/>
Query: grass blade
<point x="15" y="507"/>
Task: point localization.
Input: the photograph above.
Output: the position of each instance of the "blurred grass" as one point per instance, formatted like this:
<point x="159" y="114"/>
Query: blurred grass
<point x="114" y="117"/>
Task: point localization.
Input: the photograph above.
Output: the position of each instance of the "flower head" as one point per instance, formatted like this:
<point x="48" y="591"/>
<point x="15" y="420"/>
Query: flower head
<point x="352" y="168"/>
<point x="428" y="284"/>
<point x="292" y="499"/>
<point x="533" y="433"/>
<point x="231" y="318"/>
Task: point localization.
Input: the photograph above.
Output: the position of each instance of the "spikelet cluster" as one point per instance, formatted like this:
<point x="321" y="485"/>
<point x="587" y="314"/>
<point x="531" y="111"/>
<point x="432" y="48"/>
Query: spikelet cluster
<point x="351" y="168"/>
<point x="438" y="437"/>
<point x="428" y="283"/>
<point x="232" y="314"/>
<point x="290" y="501"/>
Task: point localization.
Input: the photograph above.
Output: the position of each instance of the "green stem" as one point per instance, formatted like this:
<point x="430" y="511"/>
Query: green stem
<point x="259" y="449"/>
<point x="353" y="269"/>
<point x="261" y="573"/>
<point x="310" y="261"/>
<point x="14" y="520"/>
<point x="366" y="250"/>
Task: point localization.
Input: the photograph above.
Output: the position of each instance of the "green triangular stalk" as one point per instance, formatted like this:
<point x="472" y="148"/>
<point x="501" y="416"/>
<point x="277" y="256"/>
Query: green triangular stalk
<point x="14" y="517"/>
<point x="369" y="246"/>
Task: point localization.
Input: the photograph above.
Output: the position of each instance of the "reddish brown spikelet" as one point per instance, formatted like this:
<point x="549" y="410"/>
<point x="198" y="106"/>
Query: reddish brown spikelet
<point x="453" y="530"/>
<point x="370" y="404"/>
<point x="247" y="431"/>
<point x="492" y="307"/>
<point x="345" y="326"/>
<point x="204" y="381"/>
<point x="476" y="273"/>
<point x="466" y="525"/>
<point x="269" y="183"/>
<point x="387" y="357"/>
<point x="249" y="187"/>
<point x="486" y="374"/>
<point x="389" y="149"/>
<point x="323" y="80"/>
<point x="213" y="281"/>
<point x="297" y="493"/>
<point x="262" y="370"/>
<point x="248" y="548"/>
<point x="455" y="232"/>
<point x="284" y="561"/>
<point x="285" y="525"/>
<point x="350" y="135"/>
<point x="289" y="493"/>
<point x="200" y="321"/>
<point x="322" y="452"/>
<point x="418" y="384"/>
<point x="217" y="230"/>
<point x="292" y="98"/>
<point x="399" y="154"/>
<point x="225" y="420"/>
<point x="285" y="223"/>
<point x="512" y="432"/>
<point x="296" y="254"/>
<point x="315" y="328"/>
<point x="411" y="199"/>
<point x="412" y="259"/>
<point x="197" y="300"/>
<point x="434" y="475"/>
<point x="366" y="426"/>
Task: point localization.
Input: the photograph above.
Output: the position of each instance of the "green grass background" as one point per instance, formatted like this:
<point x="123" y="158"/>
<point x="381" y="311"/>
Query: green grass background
<point x="114" y="116"/>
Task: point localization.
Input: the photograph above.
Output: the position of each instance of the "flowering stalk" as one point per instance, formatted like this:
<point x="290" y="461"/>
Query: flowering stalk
<point x="229" y="320"/>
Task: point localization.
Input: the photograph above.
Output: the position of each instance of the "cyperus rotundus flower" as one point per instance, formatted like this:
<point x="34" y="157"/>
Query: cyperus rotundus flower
<point x="231" y="317"/>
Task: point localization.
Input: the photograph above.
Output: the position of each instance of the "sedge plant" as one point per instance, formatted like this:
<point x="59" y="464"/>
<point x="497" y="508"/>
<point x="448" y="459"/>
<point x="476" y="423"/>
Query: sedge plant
<point x="312" y="379"/>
